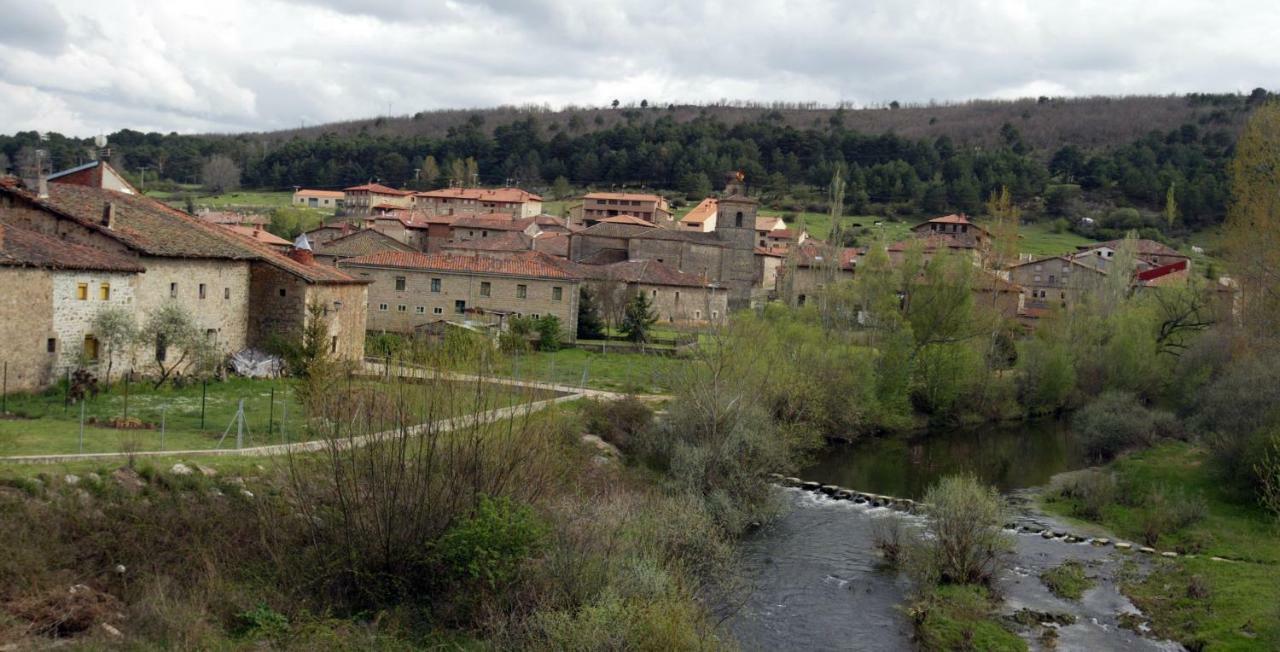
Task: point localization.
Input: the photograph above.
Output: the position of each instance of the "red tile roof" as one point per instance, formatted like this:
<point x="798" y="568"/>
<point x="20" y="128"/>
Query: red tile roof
<point x="951" y="219"/>
<point x="498" y="195"/>
<point x="705" y="210"/>
<point x="378" y="189"/>
<point x="319" y="194"/>
<point x="628" y="219"/>
<point x="811" y="254"/>
<point x="553" y="244"/>
<point x="360" y="243"/>
<point x="531" y="264"/>
<point x="261" y="235"/>
<point x="629" y="196"/>
<point x="22" y="248"/>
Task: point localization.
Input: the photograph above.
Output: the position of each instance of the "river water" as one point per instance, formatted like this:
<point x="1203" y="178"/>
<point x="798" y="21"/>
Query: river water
<point x="818" y="583"/>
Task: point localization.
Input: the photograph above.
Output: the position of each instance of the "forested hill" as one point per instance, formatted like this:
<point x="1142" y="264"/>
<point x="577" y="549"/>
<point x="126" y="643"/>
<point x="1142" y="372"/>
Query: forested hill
<point x="1059" y="156"/>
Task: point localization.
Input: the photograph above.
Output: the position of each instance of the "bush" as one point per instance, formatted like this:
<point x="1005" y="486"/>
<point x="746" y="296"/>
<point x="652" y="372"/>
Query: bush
<point x="964" y="543"/>
<point x="618" y="422"/>
<point x="891" y="537"/>
<point x="1167" y="512"/>
<point x="1094" y="491"/>
<point x="490" y="545"/>
<point x="1067" y="580"/>
<point x="1116" y="421"/>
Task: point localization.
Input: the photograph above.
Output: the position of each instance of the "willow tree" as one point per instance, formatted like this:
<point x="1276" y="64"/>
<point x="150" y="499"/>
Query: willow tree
<point x="1253" y="217"/>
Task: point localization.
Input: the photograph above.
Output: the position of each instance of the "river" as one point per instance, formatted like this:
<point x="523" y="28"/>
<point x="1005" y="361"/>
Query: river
<point x="818" y="584"/>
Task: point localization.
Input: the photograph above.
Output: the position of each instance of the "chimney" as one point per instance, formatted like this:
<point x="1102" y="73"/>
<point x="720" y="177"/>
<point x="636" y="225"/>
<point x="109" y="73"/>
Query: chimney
<point x="109" y="215"/>
<point x="42" y="186"/>
<point x="303" y="256"/>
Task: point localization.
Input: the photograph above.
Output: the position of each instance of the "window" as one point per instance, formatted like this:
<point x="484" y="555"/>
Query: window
<point x="677" y="297"/>
<point x="697" y="314"/>
<point x="421" y="310"/>
<point x="399" y="284"/>
<point x="1039" y="267"/>
<point x="1052" y="279"/>
<point x="402" y="308"/>
<point x="557" y="293"/>
<point x="382" y="307"/>
<point x="90" y="348"/>
<point x="715" y="314"/>
<point x="200" y="290"/>
<point x="282" y="292"/>
<point x="737" y="219"/>
<point x="162" y="348"/>
<point x="173" y="290"/>
<point x="536" y="315"/>
<point x="485" y="288"/>
<point x="522" y="291"/>
<point x="51" y="345"/>
<point x="459" y="306"/>
<point x="104" y="291"/>
<point x="226" y="294"/>
<point x="437" y="310"/>
<point x="1036" y="278"/>
<point x="82" y="291"/>
<point x="435" y="285"/>
<point x="211" y="334"/>
<point x="333" y="344"/>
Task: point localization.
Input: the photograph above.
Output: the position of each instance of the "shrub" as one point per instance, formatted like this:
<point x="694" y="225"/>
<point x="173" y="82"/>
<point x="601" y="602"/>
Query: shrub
<point x="891" y="537"/>
<point x="1116" y="421"/>
<point x="263" y="622"/>
<point x="618" y="422"/>
<point x="490" y="545"/>
<point x="1094" y="491"/>
<point x="1166" y="512"/>
<point x="964" y="543"/>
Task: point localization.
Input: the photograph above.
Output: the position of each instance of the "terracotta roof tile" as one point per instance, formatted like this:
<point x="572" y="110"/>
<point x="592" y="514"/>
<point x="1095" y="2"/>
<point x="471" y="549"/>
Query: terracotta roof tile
<point x="378" y="189"/>
<point x="261" y="235"/>
<point x="360" y="243"/>
<point x="628" y="219"/>
<point x="705" y="210"/>
<point x="22" y="248"/>
<point x="629" y="196"/>
<point x="319" y="194"/>
<point x="647" y="272"/>
<point x="492" y="222"/>
<point x="531" y="264"/>
<point x="505" y="241"/>
<point x="499" y="195"/>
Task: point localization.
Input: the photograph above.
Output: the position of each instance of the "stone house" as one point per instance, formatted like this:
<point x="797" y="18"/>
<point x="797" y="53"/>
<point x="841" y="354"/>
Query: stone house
<point x="323" y="199"/>
<point x="369" y="198"/>
<point x="54" y="290"/>
<point x="354" y="244"/>
<point x="597" y="206"/>
<point x="478" y="201"/>
<point x="1147" y="253"/>
<point x="676" y="297"/>
<point x="203" y="268"/>
<point x="812" y="267"/>
<point x="332" y="231"/>
<point x="282" y="289"/>
<point x="957" y="228"/>
<point x="1056" y="281"/>
<point x="412" y="289"/>
<point x="473" y="227"/>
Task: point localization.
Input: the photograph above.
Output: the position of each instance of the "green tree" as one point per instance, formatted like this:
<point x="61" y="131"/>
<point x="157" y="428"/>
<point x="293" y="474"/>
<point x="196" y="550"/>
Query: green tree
<point x="429" y="173"/>
<point x="171" y="327"/>
<point x="1253" y="218"/>
<point x="638" y="319"/>
<point x="548" y="327"/>
<point x="116" y="328"/>
<point x="589" y="323"/>
<point x="560" y="189"/>
<point x="1170" y="205"/>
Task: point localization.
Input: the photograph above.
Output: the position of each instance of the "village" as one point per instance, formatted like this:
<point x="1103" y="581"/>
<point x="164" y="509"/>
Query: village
<point x="411" y="262"/>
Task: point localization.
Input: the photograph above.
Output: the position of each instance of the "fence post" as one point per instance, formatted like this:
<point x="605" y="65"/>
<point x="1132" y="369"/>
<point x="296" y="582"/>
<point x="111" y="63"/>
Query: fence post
<point x="82" y="426"/>
<point x="163" y="408"/>
<point x="240" y="426"/>
<point x="4" y="393"/>
<point x="204" y="392"/>
<point x="284" y="418"/>
<point x="271" y="412"/>
<point x="66" y="394"/>
<point x="126" y="394"/>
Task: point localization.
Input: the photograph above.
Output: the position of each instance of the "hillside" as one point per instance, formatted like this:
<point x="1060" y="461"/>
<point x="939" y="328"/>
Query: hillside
<point x="1045" y="123"/>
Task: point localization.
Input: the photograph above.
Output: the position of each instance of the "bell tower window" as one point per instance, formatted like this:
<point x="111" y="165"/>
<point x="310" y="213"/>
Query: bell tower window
<point x="737" y="219"/>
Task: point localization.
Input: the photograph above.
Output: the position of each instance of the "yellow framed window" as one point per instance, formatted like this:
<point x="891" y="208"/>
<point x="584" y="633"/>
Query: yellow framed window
<point x="82" y="291"/>
<point x="104" y="291"/>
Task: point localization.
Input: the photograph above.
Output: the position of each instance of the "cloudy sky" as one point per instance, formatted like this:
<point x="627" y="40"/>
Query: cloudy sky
<point x="89" y="66"/>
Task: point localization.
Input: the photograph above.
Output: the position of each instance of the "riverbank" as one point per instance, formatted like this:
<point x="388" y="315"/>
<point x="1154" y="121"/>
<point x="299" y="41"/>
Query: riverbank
<point x="1170" y="496"/>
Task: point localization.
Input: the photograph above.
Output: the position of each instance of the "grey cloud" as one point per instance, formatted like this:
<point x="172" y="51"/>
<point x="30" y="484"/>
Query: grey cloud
<point x="35" y="26"/>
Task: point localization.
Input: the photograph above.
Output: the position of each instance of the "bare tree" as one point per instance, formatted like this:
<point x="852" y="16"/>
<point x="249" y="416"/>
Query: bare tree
<point x="220" y="174"/>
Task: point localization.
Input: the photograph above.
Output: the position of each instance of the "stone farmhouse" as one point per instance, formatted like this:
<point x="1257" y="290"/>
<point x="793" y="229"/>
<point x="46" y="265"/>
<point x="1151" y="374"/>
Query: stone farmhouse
<point x="597" y="206"/>
<point x="410" y="289"/>
<point x="1148" y="254"/>
<point x="356" y="244"/>
<point x="676" y="297"/>
<point x="1056" y="281"/>
<point x="53" y="292"/>
<point x="323" y="199"/>
<point x="239" y="291"/>
<point x="472" y="201"/>
<point x="958" y="229"/>
<point x="368" y="198"/>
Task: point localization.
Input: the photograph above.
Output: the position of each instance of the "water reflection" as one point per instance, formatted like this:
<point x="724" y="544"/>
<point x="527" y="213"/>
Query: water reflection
<point x="1009" y="457"/>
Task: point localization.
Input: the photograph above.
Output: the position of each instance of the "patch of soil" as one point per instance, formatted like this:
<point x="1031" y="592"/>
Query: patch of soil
<point x="118" y="423"/>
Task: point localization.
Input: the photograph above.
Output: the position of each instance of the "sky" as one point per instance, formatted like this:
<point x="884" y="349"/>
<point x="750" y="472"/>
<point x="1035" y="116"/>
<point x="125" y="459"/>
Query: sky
<point x="83" y="67"/>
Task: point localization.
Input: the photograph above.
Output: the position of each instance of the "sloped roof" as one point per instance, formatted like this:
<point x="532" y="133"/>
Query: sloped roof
<point x="505" y="241"/>
<point x="141" y="223"/>
<point x="225" y="217"/>
<point x="500" y="195"/>
<point x="261" y="235"/>
<point x="812" y="254"/>
<point x="705" y="210"/>
<point x="531" y="264"/>
<point x="23" y="248"/>
<point x="553" y="244"/>
<point x="1161" y="271"/>
<point x="629" y="196"/>
<point x="608" y="230"/>
<point x="360" y="243"/>
<point x="769" y="223"/>
<point x="1141" y="246"/>
<point x="1065" y="259"/>
<point x="319" y="194"/>
<point x="493" y="222"/>
<point x="647" y="272"/>
<point x="378" y="189"/>
<point x="629" y="219"/>
<point x="951" y="219"/>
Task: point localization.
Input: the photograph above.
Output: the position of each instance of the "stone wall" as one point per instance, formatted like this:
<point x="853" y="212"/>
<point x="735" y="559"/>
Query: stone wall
<point x="223" y="309"/>
<point x="686" y="305"/>
<point x="348" y="306"/>
<point x="73" y="318"/>
<point x="27" y="303"/>
<point x="279" y="303"/>
<point x="399" y="311"/>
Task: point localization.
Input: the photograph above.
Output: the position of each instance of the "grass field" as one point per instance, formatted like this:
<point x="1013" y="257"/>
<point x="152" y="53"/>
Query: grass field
<point x="262" y="201"/>
<point x="616" y="372"/>
<point x="1201" y="603"/>
<point x="44" y="424"/>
